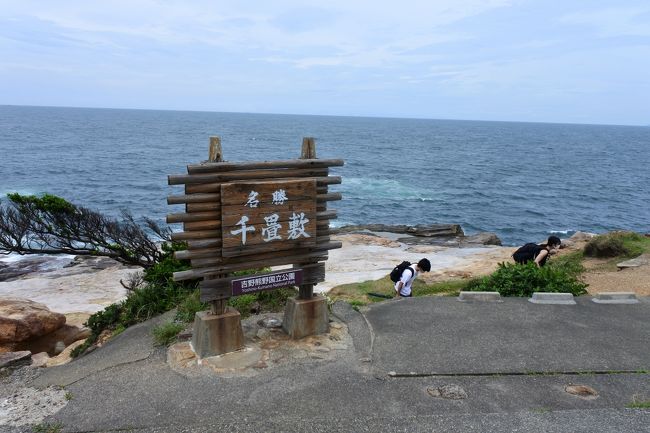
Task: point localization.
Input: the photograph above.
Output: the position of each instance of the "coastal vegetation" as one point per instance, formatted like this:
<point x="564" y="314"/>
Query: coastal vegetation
<point x="523" y="280"/>
<point x="617" y="244"/>
<point x="166" y="333"/>
<point x="563" y="273"/>
<point x="359" y="294"/>
<point x="157" y="293"/>
<point x="49" y="224"/>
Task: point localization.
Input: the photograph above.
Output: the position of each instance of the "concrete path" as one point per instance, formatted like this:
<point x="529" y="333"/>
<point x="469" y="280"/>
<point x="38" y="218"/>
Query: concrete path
<point x="444" y="336"/>
<point x="478" y="367"/>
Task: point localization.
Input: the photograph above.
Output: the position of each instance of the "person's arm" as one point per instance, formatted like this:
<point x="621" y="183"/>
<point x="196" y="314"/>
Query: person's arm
<point x="406" y="276"/>
<point x="400" y="284"/>
<point x="540" y="257"/>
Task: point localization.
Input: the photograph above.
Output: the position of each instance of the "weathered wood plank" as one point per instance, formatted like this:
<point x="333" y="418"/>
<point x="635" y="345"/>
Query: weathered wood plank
<point x="213" y="199"/>
<point x="192" y="217"/>
<point x="332" y="196"/>
<point x="216" y="186"/>
<point x="194" y="198"/>
<point x="199" y="234"/>
<point x="199" y="253"/>
<point x="211" y="206"/>
<point x="261" y="247"/>
<point x="203" y="243"/>
<point x="255" y="165"/>
<point x="291" y="255"/>
<point x="202" y="225"/>
<point x="246" y="264"/>
<point x="267" y="193"/>
<point x="329" y="180"/>
<point x="180" y="179"/>
<point x="326" y="215"/>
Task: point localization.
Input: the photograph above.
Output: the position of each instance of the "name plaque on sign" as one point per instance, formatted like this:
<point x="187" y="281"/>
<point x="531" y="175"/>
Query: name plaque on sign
<point x="276" y="280"/>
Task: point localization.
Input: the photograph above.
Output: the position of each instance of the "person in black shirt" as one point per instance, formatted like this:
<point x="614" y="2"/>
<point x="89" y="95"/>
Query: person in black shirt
<point x="537" y="253"/>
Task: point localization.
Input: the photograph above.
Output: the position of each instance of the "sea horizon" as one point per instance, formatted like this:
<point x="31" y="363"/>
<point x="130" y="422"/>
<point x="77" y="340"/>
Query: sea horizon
<point x="520" y="180"/>
<point x="632" y="125"/>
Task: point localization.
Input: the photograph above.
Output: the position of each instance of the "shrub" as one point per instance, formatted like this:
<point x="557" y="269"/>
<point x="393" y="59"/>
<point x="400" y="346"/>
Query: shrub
<point x="617" y="244"/>
<point x="523" y="280"/>
<point x="159" y="294"/>
<point x="609" y="245"/>
<point x="275" y="300"/>
<point x="189" y="306"/>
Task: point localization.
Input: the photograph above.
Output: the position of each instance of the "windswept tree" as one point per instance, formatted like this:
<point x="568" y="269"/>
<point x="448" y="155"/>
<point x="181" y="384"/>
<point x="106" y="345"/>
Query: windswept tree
<point x="52" y="225"/>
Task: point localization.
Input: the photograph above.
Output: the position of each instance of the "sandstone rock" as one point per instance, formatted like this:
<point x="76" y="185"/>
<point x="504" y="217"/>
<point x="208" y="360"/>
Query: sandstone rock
<point x="14" y="270"/>
<point x="64" y="357"/>
<point x="22" y="319"/>
<point x="424" y="230"/>
<point x="8" y="347"/>
<point x="484" y="238"/>
<point x="66" y="334"/>
<point x="40" y="359"/>
<point x="103" y="337"/>
<point x="59" y="347"/>
<point x="15" y="359"/>
<point x="181" y="355"/>
<point x="581" y="237"/>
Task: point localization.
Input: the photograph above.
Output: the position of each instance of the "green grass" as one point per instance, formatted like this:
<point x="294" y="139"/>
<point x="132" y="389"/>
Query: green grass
<point x="446" y="288"/>
<point x="357" y="294"/>
<point x="189" y="306"/>
<point x="639" y="404"/>
<point x="541" y="410"/>
<point x="165" y="334"/>
<point x="47" y="427"/>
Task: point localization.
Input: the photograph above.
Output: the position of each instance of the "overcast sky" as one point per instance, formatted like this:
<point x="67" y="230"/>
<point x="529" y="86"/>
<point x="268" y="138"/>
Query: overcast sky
<point x="582" y="61"/>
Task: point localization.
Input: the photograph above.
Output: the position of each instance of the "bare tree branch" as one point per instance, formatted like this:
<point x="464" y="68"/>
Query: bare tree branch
<point x="51" y="225"/>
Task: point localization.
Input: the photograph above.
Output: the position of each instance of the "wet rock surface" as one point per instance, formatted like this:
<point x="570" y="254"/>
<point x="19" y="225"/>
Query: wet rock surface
<point x="13" y="270"/>
<point x="15" y="359"/>
<point x="425" y="230"/>
<point x="425" y="234"/>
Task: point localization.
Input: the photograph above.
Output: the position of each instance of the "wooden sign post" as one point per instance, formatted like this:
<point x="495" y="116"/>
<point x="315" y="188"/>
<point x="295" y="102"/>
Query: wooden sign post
<point x="254" y="215"/>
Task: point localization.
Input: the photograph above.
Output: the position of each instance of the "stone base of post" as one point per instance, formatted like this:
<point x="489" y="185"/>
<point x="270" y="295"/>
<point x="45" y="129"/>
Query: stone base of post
<point x="303" y="317"/>
<point x="217" y="334"/>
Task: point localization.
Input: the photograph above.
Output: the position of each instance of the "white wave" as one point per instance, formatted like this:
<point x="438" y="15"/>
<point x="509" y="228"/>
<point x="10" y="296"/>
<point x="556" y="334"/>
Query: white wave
<point x="3" y="193"/>
<point x="561" y="232"/>
<point x="50" y="262"/>
<point x="384" y="189"/>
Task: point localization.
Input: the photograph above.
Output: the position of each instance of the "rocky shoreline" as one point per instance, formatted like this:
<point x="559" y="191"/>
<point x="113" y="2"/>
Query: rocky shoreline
<point x="450" y="235"/>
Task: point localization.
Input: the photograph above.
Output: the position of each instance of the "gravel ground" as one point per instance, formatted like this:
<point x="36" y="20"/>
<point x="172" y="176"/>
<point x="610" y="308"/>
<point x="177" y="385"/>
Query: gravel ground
<point x="22" y="405"/>
<point x="635" y="280"/>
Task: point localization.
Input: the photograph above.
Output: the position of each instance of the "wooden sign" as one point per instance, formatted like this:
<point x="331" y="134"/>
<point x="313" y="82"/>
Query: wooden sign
<point x="251" y="215"/>
<point x="257" y="283"/>
<point x="267" y="216"/>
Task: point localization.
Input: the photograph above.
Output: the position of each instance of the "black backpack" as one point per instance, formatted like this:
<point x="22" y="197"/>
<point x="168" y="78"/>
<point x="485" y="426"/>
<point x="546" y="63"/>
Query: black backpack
<point x="526" y="253"/>
<point x="396" y="273"/>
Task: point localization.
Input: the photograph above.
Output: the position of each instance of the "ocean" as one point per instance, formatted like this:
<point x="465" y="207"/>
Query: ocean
<point x="522" y="181"/>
